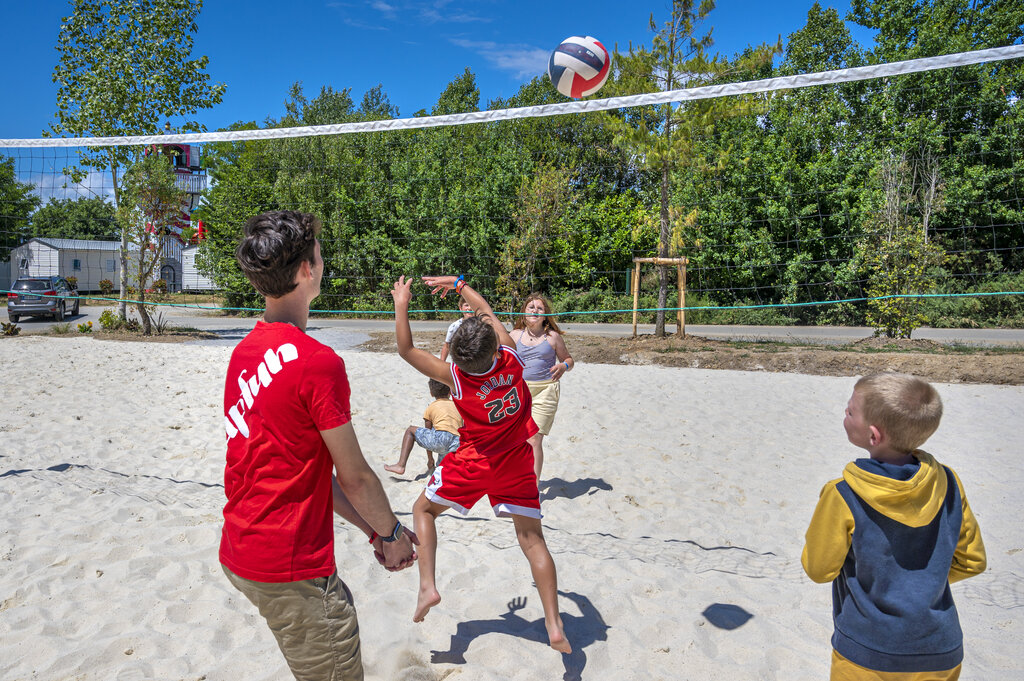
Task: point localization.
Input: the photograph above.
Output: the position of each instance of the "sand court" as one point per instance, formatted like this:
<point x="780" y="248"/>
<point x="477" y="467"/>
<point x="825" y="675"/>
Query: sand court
<point x="674" y="500"/>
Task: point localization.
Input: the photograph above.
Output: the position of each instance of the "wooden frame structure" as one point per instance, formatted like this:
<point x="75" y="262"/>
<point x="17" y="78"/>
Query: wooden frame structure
<point x="680" y="264"/>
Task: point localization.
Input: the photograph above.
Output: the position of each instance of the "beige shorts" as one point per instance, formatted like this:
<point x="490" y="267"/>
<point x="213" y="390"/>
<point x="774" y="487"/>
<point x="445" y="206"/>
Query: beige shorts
<point x="545" y="403"/>
<point x="314" y="622"/>
<point x="844" y="670"/>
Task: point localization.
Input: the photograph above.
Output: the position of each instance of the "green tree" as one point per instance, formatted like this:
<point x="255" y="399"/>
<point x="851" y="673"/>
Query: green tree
<point x="543" y="200"/>
<point x="896" y="251"/>
<point x="151" y="204"/>
<point x="89" y="218"/>
<point x="17" y="201"/>
<point x="670" y="141"/>
<point x="125" y="66"/>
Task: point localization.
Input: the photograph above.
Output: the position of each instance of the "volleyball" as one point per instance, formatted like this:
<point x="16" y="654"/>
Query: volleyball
<point x="579" y="66"/>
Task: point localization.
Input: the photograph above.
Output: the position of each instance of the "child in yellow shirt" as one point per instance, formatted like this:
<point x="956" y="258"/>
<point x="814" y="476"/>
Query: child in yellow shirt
<point x="440" y="431"/>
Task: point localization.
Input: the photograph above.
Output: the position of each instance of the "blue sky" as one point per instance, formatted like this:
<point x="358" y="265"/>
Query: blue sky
<point x="413" y="47"/>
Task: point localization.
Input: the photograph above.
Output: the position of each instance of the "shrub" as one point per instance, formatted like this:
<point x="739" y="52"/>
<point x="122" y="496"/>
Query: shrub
<point x="61" y="329"/>
<point x="85" y="328"/>
<point x="160" y="286"/>
<point x="10" y="329"/>
<point x="106" y="287"/>
<point x="110" y="321"/>
<point x="73" y="281"/>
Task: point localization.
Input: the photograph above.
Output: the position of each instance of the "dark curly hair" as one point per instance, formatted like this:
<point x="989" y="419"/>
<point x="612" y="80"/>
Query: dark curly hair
<point x="473" y="345"/>
<point x="438" y="389"/>
<point x="272" y="248"/>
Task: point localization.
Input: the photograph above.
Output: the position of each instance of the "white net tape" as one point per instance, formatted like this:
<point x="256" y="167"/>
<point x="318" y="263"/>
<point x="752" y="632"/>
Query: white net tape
<point x="705" y="92"/>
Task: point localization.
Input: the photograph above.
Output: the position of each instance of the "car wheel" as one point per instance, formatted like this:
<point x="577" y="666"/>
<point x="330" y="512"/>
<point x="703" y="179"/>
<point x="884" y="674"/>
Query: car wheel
<point x="14" y="318"/>
<point x="75" y="311"/>
<point x="58" y="312"/>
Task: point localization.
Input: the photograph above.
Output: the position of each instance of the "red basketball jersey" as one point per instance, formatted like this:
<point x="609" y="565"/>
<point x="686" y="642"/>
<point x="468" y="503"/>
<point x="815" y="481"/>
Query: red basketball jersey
<point x="495" y="406"/>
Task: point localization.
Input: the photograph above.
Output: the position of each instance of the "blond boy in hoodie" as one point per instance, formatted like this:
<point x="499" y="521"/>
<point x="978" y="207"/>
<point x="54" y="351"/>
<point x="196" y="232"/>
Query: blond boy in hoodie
<point x="891" y="535"/>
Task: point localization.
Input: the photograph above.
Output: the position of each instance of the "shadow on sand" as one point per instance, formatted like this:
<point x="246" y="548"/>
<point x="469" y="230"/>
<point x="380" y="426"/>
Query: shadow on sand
<point x="582" y="631"/>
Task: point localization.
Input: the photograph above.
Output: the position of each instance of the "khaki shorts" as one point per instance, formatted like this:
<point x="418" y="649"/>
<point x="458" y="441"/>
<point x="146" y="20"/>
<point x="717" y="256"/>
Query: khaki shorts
<point x="844" y="670"/>
<point x="545" y="403"/>
<point x="314" y="622"/>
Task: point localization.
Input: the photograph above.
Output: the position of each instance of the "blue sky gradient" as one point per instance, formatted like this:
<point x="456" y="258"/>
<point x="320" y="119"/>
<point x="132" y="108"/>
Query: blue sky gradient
<point x="414" y="48"/>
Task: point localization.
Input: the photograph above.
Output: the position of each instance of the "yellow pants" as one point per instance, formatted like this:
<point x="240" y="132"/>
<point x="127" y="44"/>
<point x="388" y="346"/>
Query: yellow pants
<point x="844" y="670"/>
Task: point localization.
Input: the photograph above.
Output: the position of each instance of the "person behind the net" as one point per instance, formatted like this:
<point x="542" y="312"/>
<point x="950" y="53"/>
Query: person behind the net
<point x="440" y="431"/>
<point x="891" y="535"/>
<point x="494" y="457"/>
<point x="293" y="458"/>
<point x="467" y="312"/>
<point x="539" y="342"/>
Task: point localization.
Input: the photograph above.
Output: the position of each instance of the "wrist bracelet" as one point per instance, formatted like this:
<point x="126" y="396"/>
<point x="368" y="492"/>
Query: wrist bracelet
<point x="460" y="281"/>
<point x="373" y="536"/>
<point x="566" y="363"/>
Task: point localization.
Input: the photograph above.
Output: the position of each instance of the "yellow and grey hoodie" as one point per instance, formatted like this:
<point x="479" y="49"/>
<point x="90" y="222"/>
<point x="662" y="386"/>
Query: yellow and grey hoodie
<point x="891" y="539"/>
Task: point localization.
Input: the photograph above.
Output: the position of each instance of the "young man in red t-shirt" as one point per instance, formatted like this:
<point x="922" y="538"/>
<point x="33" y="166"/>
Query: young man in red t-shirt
<point x="494" y="457"/>
<point x="288" y="427"/>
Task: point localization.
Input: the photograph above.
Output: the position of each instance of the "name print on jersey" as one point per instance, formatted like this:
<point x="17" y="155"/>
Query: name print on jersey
<point x="273" y="362"/>
<point x="503" y="406"/>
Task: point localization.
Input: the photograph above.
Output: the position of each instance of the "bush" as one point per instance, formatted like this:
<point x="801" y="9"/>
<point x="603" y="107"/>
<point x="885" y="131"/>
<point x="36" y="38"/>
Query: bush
<point x="1006" y="311"/>
<point x="85" y="328"/>
<point x="110" y="321"/>
<point x="73" y="281"/>
<point x="10" y="329"/>
<point x="106" y="287"/>
<point x="159" y="286"/>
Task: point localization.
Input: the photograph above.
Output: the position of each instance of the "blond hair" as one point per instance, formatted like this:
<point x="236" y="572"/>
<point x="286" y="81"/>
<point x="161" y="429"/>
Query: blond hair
<point x="906" y="408"/>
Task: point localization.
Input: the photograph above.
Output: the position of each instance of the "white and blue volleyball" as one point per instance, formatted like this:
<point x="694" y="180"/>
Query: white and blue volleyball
<point x="579" y="66"/>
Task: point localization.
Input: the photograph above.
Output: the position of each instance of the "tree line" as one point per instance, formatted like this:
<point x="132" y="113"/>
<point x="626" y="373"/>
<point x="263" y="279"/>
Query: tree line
<point x="902" y="185"/>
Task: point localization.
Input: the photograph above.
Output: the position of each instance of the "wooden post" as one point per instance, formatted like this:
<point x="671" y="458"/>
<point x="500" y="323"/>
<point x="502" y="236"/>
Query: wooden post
<point x="636" y="295"/>
<point x="680" y="264"/>
<point x="681" y="314"/>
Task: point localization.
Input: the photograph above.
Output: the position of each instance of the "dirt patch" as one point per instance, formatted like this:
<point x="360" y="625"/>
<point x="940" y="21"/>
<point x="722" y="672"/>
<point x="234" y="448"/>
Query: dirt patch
<point x="923" y="358"/>
<point x="130" y="336"/>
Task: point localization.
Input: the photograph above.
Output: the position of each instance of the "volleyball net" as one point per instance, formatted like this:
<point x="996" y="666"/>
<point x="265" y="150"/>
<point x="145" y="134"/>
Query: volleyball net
<point x="826" y="192"/>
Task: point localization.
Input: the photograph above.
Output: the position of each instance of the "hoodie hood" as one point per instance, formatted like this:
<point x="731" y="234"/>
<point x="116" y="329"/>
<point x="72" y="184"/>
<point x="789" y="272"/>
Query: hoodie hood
<point x="913" y="502"/>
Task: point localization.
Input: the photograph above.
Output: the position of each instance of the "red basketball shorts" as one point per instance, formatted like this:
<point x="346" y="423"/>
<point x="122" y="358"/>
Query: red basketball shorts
<point x="507" y="479"/>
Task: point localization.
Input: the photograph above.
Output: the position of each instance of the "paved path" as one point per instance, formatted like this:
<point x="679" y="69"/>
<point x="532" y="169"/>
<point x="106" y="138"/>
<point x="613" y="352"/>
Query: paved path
<point x="350" y="332"/>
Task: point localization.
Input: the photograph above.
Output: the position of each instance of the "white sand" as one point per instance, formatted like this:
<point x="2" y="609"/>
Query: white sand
<point x="676" y="519"/>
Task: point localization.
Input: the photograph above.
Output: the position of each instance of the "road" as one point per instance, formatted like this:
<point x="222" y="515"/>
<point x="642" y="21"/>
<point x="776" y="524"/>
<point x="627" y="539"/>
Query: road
<point x="350" y="332"/>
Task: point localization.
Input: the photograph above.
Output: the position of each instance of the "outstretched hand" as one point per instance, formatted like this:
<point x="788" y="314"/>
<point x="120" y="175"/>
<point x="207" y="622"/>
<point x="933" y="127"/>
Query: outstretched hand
<point x="441" y="284"/>
<point x="401" y="292"/>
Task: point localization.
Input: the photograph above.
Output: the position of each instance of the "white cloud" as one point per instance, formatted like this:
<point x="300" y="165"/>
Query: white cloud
<point x="523" y="61"/>
<point x="57" y="185"/>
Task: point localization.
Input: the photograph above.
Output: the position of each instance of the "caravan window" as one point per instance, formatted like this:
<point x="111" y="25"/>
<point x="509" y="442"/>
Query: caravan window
<point x="76" y="265"/>
<point x="110" y="265"/>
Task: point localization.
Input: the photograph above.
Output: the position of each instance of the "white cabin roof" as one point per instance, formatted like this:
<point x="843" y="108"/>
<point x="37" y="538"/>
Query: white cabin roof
<point x="79" y="244"/>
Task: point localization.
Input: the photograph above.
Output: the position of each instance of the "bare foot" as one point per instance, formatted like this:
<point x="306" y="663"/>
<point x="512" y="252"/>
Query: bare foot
<point x="395" y="468"/>
<point x="427" y="599"/>
<point x="556" y="637"/>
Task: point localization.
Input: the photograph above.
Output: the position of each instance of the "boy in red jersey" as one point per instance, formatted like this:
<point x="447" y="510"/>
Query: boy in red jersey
<point x="494" y="457"/>
<point x="289" y="428"/>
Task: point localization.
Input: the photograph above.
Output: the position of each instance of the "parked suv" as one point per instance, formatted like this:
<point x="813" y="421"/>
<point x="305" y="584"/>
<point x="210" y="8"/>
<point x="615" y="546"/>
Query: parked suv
<point x="51" y="296"/>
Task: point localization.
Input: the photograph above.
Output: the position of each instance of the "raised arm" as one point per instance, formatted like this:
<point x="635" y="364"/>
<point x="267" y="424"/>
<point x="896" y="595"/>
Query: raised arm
<point x="421" y="360"/>
<point x="476" y="301"/>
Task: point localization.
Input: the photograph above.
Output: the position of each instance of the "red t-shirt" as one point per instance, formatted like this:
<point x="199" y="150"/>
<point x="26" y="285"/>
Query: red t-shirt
<point x="282" y="389"/>
<point x="495" y="406"/>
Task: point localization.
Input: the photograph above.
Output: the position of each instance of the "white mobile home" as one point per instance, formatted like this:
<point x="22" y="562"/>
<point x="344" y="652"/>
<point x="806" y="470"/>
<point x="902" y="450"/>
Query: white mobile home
<point x="191" y="278"/>
<point x="88" y="261"/>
